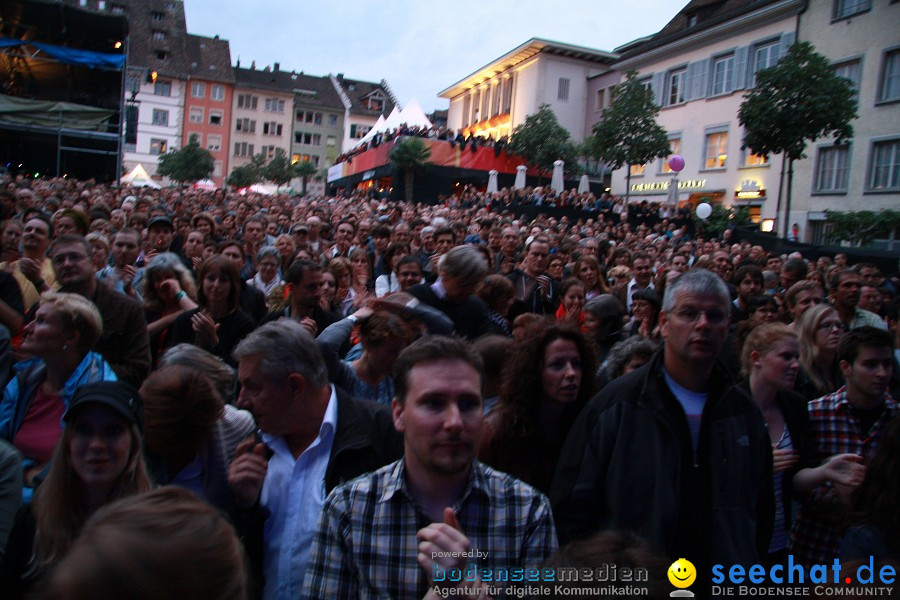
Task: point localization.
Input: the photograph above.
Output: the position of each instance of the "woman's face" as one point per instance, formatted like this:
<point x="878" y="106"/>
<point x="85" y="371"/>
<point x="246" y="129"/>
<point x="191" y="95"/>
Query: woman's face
<point x="588" y="274"/>
<point x="268" y="269"/>
<point x="46" y="334"/>
<point x="329" y="286"/>
<point x="573" y="301"/>
<point x="780" y="364"/>
<point x="100" y="445"/>
<point x="216" y="287"/>
<point x="561" y="371"/>
<point x="829" y="331"/>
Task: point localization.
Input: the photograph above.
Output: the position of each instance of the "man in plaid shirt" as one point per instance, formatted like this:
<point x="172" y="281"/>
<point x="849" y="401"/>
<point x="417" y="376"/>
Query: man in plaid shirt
<point x="848" y="421"/>
<point x="397" y="533"/>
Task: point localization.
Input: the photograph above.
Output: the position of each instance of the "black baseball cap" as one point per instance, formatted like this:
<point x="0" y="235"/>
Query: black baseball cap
<point x="121" y="397"/>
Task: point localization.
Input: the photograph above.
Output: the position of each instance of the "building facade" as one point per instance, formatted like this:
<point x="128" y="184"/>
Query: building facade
<point x="860" y="38"/>
<point x="493" y="100"/>
<point x="699" y="67"/>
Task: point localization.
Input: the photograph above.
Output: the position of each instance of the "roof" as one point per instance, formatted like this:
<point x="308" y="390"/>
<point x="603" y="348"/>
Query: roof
<point x="706" y="14"/>
<point x="310" y="89"/>
<point x="522" y="53"/>
<point x="359" y="91"/>
<point x="208" y="58"/>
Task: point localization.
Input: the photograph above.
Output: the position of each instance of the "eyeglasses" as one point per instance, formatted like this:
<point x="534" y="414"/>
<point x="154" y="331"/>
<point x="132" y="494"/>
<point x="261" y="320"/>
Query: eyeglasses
<point x="829" y="325"/>
<point x="692" y="315"/>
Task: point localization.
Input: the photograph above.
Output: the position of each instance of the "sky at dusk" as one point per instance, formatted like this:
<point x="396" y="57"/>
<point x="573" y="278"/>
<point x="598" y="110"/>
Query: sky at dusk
<point x="420" y="48"/>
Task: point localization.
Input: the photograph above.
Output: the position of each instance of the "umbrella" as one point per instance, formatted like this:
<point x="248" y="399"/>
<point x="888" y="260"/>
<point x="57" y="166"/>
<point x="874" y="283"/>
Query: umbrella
<point x="520" y="177"/>
<point x="492" y="181"/>
<point x="556" y="182"/>
<point x="584" y="186"/>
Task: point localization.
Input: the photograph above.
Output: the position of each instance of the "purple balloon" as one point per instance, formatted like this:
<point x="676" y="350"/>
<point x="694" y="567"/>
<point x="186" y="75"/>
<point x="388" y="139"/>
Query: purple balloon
<point x="676" y="163"/>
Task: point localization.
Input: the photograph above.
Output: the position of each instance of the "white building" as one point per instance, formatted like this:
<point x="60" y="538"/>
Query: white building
<point x="861" y="39"/>
<point x="699" y="67"/>
<point x="496" y="98"/>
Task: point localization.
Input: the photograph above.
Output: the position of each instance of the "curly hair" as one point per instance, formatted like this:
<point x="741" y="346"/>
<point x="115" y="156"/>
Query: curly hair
<point x="520" y="396"/>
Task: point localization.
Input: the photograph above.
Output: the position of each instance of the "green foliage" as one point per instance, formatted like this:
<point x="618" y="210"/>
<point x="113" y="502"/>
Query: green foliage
<point x="541" y="140"/>
<point x="799" y="100"/>
<point x="721" y="218"/>
<point x="279" y="170"/>
<point x="304" y="170"/>
<point x="628" y="133"/>
<point x="247" y="174"/>
<point x="862" y="226"/>
<point x="187" y="165"/>
<point x="410" y="155"/>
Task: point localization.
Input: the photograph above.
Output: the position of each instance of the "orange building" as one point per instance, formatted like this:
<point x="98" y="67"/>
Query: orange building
<point x="208" y="99"/>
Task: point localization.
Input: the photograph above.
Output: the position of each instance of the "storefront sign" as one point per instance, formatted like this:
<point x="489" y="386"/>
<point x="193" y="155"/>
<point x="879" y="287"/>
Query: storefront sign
<point x="662" y="186"/>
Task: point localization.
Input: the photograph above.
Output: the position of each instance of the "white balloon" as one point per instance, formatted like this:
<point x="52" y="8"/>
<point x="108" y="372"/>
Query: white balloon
<point x="704" y="210"/>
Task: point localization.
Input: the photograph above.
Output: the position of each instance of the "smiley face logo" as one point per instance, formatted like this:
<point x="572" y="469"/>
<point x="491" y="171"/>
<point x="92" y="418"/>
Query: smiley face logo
<point x="682" y="573"/>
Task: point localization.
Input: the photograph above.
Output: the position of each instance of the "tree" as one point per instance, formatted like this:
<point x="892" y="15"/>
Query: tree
<point x="410" y="156"/>
<point x="187" y="165"/>
<point x="628" y="133"/>
<point x="279" y="170"/>
<point x="249" y="173"/>
<point x="799" y="100"/>
<point x="541" y="140"/>
<point x="304" y="170"/>
<point x="862" y="226"/>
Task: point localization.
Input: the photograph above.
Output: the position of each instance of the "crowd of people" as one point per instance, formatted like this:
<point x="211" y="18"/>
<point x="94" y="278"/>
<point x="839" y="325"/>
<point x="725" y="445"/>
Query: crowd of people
<point x="341" y="397"/>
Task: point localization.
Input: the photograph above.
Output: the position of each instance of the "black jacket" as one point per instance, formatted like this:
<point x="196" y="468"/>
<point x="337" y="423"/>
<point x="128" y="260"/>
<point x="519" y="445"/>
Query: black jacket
<point x="629" y="463"/>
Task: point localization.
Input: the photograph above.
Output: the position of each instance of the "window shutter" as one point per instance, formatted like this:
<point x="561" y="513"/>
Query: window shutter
<point x="740" y="67"/>
<point x="658" y="84"/>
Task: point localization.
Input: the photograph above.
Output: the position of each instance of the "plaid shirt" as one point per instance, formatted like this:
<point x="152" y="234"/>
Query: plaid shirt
<point x="816" y="536"/>
<point x="366" y="545"/>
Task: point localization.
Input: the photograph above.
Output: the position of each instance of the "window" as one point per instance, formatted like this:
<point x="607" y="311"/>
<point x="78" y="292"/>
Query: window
<point x="215" y="117"/>
<point x="158" y="146"/>
<point x="332" y="120"/>
<point x="674" y="148"/>
<point x="890" y="77"/>
<point x="638" y="170"/>
<point x="851" y="70"/>
<point x="272" y="128"/>
<point x="274" y="105"/>
<point x="677" y="86"/>
<point x="723" y="75"/>
<point x="243" y="149"/>
<point x="562" y="90"/>
<point x="716" y="150"/>
<point x="159" y="36"/>
<point x="247" y="101"/>
<point x="848" y="8"/>
<point x="832" y="169"/>
<point x="198" y="89"/>
<point x="214" y="143"/>
<point x="217" y="92"/>
<point x="245" y="125"/>
<point x="599" y="100"/>
<point x="160" y="117"/>
<point x="885" y="168"/>
<point x="162" y="88"/>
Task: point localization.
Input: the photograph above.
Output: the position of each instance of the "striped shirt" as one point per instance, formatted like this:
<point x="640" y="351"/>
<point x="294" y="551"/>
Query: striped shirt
<point x="816" y="536"/>
<point x="366" y="545"/>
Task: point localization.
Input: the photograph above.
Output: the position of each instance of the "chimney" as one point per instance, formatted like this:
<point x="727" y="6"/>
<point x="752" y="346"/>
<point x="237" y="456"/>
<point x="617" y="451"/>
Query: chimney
<point x="276" y="66"/>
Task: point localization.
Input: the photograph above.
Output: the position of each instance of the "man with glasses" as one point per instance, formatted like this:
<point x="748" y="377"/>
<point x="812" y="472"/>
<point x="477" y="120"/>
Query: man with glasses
<point x="673" y="449"/>
<point x="124" y="343"/>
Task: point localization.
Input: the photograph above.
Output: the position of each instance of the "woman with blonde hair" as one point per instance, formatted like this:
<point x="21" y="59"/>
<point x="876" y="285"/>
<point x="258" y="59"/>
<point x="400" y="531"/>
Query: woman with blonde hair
<point x="820" y="330"/>
<point x="98" y="460"/>
<point x="59" y="341"/>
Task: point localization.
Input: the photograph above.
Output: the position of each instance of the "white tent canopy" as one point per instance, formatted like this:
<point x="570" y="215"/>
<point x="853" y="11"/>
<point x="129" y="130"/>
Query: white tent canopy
<point x="138" y="177"/>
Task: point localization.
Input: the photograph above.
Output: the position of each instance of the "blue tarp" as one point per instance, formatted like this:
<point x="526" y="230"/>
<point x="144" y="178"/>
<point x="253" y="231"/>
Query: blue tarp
<point x="71" y="56"/>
